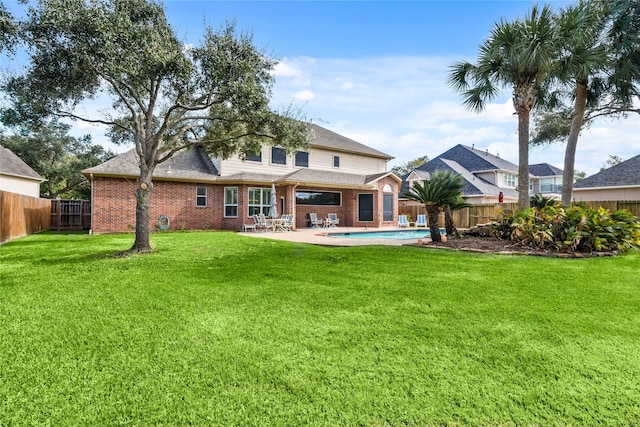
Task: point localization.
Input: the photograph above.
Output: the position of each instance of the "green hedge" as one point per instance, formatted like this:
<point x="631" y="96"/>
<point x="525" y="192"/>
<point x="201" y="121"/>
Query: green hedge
<point x="570" y="229"/>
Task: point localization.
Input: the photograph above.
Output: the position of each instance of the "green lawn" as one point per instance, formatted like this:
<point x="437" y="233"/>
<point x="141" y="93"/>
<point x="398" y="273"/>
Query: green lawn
<point x="221" y="329"/>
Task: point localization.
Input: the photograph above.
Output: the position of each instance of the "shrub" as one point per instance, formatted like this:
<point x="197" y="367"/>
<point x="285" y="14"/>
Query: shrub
<point x="570" y="229"/>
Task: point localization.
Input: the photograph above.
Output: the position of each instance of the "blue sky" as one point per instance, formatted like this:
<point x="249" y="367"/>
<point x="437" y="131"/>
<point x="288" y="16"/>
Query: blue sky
<point x="376" y="71"/>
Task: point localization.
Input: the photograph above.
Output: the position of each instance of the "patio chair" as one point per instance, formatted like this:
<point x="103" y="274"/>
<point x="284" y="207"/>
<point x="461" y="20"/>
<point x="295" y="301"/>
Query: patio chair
<point x="288" y="224"/>
<point x="402" y="221"/>
<point x="421" y="221"/>
<point x="315" y="221"/>
<point x="332" y="220"/>
<point x="263" y="223"/>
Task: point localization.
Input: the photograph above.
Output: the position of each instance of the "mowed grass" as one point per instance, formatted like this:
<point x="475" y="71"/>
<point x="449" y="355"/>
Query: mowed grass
<point x="220" y="329"/>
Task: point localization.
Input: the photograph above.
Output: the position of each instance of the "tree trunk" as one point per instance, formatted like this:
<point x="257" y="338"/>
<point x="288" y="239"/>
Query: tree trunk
<point x="143" y="195"/>
<point x="523" y="157"/>
<point x="572" y="142"/>
<point x="449" y="224"/>
<point x="434" y="227"/>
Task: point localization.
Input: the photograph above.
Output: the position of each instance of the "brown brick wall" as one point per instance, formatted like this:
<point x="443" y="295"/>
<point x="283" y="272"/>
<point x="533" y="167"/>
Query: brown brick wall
<point x="114" y="204"/>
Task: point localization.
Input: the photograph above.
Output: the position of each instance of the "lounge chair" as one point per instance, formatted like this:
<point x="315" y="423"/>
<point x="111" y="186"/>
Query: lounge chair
<point x="332" y="220"/>
<point x="421" y="221"/>
<point x="315" y="221"/>
<point x="402" y="221"/>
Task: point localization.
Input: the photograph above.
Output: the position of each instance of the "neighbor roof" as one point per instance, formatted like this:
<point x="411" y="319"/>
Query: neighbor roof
<point x="623" y="174"/>
<point x="11" y="164"/>
<point x="544" y="169"/>
<point x="474" y="160"/>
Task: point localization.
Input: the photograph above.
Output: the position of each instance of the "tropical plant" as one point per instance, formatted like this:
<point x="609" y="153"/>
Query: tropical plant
<point x="539" y="201"/>
<point x="571" y="229"/>
<point x="517" y="55"/>
<point x="167" y="95"/>
<point x="443" y="189"/>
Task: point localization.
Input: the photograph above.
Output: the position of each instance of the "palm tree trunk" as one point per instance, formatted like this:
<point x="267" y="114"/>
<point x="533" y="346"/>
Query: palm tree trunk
<point x="579" y="107"/>
<point x="523" y="157"/>
<point x="449" y="224"/>
<point x="434" y="227"/>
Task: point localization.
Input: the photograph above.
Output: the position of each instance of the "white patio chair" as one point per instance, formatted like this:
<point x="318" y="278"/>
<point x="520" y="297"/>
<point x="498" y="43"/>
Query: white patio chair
<point x="421" y="221"/>
<point x="332" y="220"/>
<point x="315" y="221"/>
<point x="402" y="221"/>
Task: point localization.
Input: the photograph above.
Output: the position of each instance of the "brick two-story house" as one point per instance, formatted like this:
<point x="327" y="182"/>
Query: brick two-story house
<point x="336" y="175"/>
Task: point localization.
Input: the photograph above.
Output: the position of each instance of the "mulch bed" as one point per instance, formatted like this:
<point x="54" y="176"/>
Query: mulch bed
<point x="505" y="247"/>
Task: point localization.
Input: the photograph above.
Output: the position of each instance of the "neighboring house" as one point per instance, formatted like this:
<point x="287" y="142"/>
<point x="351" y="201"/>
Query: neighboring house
<point x="485" y="175"/>
<point x="619" y="182"/>
<point x="545" y="179"/>
<point x="336" y="175"/>
<point x="16" y="176"/>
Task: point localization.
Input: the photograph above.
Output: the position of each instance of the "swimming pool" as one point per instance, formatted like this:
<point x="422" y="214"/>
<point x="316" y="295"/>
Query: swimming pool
<point x="394" y="234"/>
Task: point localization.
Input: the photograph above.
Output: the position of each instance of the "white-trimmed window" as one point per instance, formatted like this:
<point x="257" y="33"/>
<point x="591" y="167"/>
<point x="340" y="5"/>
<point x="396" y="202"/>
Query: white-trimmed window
<point x="259" y="200"/>
<point x="278" y="156"/>
<point x="201" y="196"/>
<point x="302" y="159"/>
<point x="508" y="180"/>
<point x="230" y="202"/>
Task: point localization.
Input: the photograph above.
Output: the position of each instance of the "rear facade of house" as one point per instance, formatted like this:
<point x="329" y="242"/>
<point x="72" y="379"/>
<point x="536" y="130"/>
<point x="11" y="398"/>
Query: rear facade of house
<point x="335" y="175"/>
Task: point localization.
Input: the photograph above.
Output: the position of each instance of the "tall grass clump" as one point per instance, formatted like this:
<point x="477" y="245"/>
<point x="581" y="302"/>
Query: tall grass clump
<point x="570" y="229"/>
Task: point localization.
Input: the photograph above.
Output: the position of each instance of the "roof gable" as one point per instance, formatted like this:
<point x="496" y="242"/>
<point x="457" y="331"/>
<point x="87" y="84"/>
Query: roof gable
<point x="324" y="138"/>
<point x="475" y="160"/>
<point x="544" y="169"/>
<point x="11" y="164"/>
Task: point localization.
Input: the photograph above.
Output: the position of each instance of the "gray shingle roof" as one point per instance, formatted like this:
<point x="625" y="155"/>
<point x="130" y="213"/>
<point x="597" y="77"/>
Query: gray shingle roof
<point x="544" y="169"/>
<point x="474" y="160"/>
<point x="185" y="165"/>
<point x="620" y="175"/>
<point x="11" y="164"/>
<point x="324" y="138"/>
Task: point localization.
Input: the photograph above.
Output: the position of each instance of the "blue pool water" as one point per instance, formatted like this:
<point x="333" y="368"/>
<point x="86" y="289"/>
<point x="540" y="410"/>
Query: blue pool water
<point x="396" y="234"/>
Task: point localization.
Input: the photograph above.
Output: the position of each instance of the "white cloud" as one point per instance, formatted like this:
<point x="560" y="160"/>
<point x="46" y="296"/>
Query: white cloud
<point x="404" y="107"/>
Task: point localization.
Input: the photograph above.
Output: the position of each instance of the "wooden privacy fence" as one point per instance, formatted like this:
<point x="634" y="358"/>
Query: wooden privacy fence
<point x="70" y="215"/>
<point x="482" y="214"/>
<point x="21" y="215"/>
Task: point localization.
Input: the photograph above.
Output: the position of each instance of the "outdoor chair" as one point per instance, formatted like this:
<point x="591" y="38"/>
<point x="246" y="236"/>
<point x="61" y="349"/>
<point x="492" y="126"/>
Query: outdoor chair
<point x="315" y="221"/>
<point x="262" y="222"/>
<point x="402" y="221"/>
<point x="332" y="220"/>
<point x="288" y="224"/>
<point x="421" y="221"/>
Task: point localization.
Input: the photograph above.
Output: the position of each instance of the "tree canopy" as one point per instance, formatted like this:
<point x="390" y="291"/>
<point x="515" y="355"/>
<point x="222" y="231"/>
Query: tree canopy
<point x="410" y="165"/>
<point x="166" y="95"/>
<point x="58" y="157"/>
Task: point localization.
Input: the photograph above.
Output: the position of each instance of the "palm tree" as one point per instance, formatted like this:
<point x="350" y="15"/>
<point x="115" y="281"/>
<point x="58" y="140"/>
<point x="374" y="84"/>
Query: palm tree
<point x="582" y="57"/>
<point x="442" y="189"/>
<point x="518" y="55"/>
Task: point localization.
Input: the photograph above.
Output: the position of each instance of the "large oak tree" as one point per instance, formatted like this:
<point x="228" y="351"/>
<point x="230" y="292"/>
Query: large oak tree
<point x="166" y="95"/>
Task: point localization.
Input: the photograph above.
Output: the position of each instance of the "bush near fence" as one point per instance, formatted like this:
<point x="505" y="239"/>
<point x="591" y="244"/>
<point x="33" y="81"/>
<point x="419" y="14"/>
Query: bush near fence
<point x="482" y="214"/>
<point x="21" y="215"/>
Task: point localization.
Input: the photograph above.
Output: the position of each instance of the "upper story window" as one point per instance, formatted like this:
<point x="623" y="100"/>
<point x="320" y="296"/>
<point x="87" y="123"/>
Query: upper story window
<point x="278" y="156"/>
<point x="201" y="195"/>
<point x="302" y="159"/>
<point x="508" y="180"/>
<point x="336" y="161"/>
<point x="254" y="157"/>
